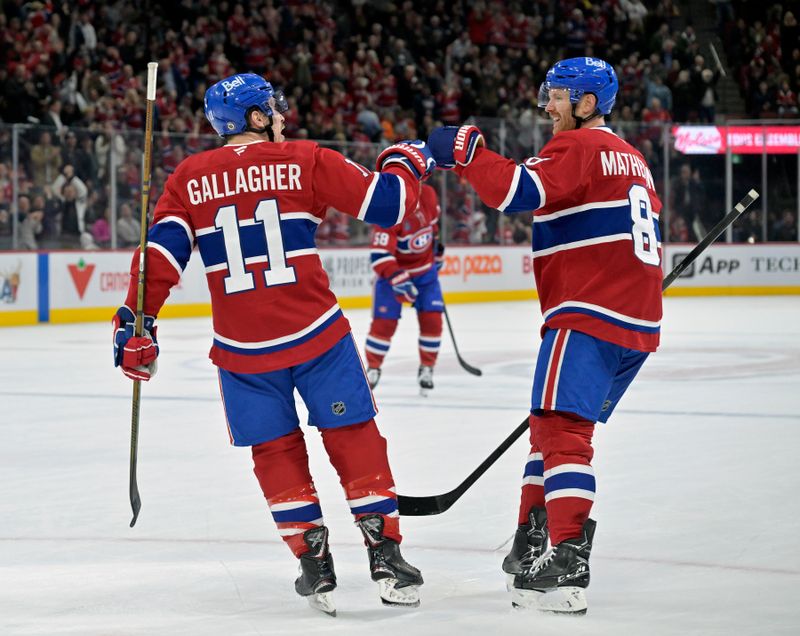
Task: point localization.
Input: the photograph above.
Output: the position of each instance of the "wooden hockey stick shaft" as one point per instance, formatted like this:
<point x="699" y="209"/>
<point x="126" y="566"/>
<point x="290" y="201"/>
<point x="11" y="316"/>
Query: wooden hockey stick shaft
<point x="133" y="487"/>
<point x="436" y="504"/>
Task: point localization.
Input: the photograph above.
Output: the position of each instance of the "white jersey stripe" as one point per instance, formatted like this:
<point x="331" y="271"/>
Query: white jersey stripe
<point x="600" y="310"/>
<point x="569" y="468"/>
<point x="512" y="190"/>
<point x="283" y="339"/>
<point x="166" y="254"/>
<point x="533" y="480"/>
<point x="182" y="223"/>
<point x="368" y="196"/>
<point x="581" y="208"/>
<point x="291" y="505"/>
<point x="570" y="492"/>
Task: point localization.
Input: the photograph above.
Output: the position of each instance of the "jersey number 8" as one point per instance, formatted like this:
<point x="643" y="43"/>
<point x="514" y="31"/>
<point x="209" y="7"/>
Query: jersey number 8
<point x="645" y="242"/>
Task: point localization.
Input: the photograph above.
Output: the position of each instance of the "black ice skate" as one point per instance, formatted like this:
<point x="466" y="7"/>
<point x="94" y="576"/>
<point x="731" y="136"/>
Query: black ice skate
<point x="398" y="581"/>
<point x="557" y="580"/>
<point x="530" y="541"/>
<point x="425" y="379"/>
<point x="317" y="579"/>
<point x="373" y="375"/>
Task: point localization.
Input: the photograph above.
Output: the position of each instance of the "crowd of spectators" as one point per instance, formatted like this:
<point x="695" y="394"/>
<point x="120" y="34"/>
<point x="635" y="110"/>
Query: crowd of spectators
<point x="357" y="75"/>
<point x="763" y="50"/>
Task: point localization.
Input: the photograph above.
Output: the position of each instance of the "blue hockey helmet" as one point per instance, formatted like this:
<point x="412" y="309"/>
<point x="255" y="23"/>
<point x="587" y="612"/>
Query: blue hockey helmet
<point x="581" y="75"/>
<point x="228" y="101"/>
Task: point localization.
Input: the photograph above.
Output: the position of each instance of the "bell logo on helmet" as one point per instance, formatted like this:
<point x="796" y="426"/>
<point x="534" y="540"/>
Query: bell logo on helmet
<point x="238" y="80"/>
<point x="593" y="61"/>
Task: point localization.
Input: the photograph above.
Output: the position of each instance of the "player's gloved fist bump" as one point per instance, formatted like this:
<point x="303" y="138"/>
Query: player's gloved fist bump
<point x="402" y="286"/>
<point x="136" y="355"/>
<point x="454" y="145"/>
<point x="412" y="154"/>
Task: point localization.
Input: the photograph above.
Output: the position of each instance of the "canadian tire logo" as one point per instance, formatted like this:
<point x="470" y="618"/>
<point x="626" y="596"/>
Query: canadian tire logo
<point x="81" y="275"/>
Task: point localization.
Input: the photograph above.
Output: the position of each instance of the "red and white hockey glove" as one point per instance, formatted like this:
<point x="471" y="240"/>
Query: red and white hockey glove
<point x="135" y="354"/>
<point x="455" y="145"/>
<point x="402" y="287"/>
<point x="412" y="154"/>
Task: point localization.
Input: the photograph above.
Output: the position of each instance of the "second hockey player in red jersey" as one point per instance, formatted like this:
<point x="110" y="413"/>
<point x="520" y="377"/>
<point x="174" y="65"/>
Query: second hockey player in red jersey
<point x="597" y="263"/>
<point x="405" y="259"/>
<point x="251" y="209"/>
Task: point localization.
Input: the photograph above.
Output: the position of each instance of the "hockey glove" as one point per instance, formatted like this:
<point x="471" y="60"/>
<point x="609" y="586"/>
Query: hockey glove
<point x="413" y="154"/>
<point x="402" y="286"/>
<point x="136" y="355"/>
<point x="454" y="145"/>
<point x="438" y="258"/>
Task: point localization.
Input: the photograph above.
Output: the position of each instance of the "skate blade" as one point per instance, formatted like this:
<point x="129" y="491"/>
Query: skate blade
<point x="424" y="392"/>
<point x="509" y="582"/>
<point x="561" y="600"/>
<point x="323" y="602"/>
<point x="394" y="596"/>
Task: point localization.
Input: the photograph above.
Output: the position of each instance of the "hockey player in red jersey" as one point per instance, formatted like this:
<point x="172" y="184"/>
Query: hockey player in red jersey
<point x="405" y="259"/>
<point x="597" y="264"/>
<point x="251" y="208"/>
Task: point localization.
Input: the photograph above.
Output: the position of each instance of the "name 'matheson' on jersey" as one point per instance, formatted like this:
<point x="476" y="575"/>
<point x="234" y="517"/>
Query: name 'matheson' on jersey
<point x="596" y="239"/>
<point x="252" y="211"/>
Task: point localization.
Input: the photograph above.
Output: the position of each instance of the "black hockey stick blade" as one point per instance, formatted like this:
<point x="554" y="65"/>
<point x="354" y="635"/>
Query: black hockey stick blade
<point x="464" y="364"/>
<point x="436" y="504"/>
<point x="712" y="236"/>
<point x="422" y="506"/>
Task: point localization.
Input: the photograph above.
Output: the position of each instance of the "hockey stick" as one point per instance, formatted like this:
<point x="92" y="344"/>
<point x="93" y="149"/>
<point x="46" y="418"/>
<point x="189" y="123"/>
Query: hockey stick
<point x="133" y="487"/>
<point x="464" y="364"/>
<point x="436" y="504"/>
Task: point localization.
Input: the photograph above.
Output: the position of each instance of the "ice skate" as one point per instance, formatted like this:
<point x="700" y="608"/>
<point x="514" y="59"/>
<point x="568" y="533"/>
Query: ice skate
<point x="425" y="379"/>
<point x="530" y="541"/>
<point x="398" y="581"/>
<point x="557" y="580"/>
<point x="317" y="579"/>
<point x="373" y="376"/>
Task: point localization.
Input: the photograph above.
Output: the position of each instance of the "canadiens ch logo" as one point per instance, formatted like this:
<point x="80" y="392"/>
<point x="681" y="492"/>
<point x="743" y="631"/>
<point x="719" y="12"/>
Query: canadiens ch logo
<point x="81" y="275"/>
<point x="338" y="408"/>
<point x="420" y="241"/>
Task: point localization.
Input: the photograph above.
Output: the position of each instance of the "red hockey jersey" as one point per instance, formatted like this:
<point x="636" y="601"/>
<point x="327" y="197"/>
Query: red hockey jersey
<point x="596" y="239"/>
<point x="252" y="211"/>
<point x="410" y="245"/>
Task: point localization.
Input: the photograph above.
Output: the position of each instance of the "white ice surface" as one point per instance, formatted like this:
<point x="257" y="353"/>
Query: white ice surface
<point x="698" y="503"/>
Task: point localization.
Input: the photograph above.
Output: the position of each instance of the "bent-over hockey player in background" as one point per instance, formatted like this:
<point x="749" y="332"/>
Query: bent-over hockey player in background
<point x="597" y="263"/>
<point x="251" y="208"/>
<point x="406" y="260"/>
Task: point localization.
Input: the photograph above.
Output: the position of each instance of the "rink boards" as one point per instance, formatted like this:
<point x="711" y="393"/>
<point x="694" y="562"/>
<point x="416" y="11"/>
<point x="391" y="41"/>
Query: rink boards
<point x="74" y="286"/>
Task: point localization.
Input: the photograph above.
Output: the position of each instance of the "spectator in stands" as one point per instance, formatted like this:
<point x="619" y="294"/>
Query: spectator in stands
<point x="101" y="230"/>
<point x="30" y="227"/>
<point x="763" y="100"/>
<point x="128" y="228"/>
<point x="52" y="118"/>
<point x="45" y="160"/>
<point x="784" y="227"/>
<point x="708" y="95"/>
<point x="72" y="194"/>
<point x="688" y="199"/>
<point x="786" y="99"/>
